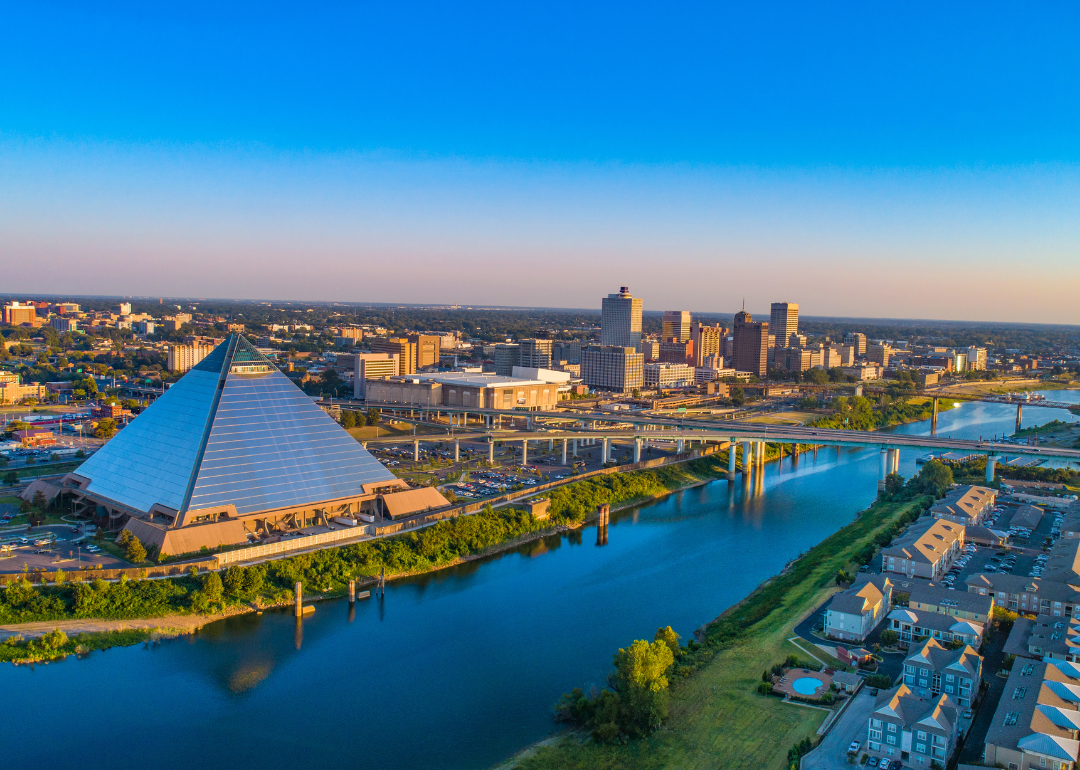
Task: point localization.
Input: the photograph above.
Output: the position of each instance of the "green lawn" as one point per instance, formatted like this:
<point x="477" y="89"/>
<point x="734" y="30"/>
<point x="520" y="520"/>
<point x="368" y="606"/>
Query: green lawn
<point x="717" y="719"/>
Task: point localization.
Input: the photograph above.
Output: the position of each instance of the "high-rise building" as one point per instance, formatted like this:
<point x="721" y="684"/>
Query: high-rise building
<point x="372" y="366"/>
<point x="612" y="367"/>
<point x="658" y="375"/>
<point x="405" y="351"/>
<point x="63" y="308"/>
<point x="674" y="352"/>
<point x="784" y="321"/>
<point x="124" y="308"/>
<point x="507" y="356"/>
<point x="427" y="349"/>
<point x="650" y="349"/>
<point x="19" y="313"/>
<point x="676" y="325"/>
<point x="535" y="354"/>
<point x="620" y="320"/>
<point x="976" y="359"/>
<point x="858" y="341"/>
<point x="568" y="350"/>
<point x="879" y="354"/>
<point x="708" y="340"/>
<point x="62" y="324"/>
<point x="185" y="357"/>
<point x="751" y="344"/>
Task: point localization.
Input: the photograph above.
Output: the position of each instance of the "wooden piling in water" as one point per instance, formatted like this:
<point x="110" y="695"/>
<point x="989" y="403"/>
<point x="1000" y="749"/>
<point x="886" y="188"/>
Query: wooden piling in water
<point x="352" y="591"/>
<point x="299" y="599"/>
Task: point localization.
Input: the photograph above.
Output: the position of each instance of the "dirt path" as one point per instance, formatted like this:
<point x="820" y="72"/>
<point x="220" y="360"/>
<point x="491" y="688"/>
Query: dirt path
<point x="175" y="625"/>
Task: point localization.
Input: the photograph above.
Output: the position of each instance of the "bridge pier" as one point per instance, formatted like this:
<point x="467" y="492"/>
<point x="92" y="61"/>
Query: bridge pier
<point x="564" y="443"/>
<point x="761" y="456"/>
<point x="679" y="445"/>
<point x="525" y="451"/>
<point x="604" y="451"/>
<point x="747" y="454"/>
<point x="1019" y="416"/>
<point x="732" y="450"/>
<point x="456" y="450"/>
<point x="491" y="451"/>
<point x="884" y="469"/>
<point x="637" y="450"/>
<point x="416" y="451"/>
<point x="575" y="447"/>
<point x="991" y="467"/>
<point x="933" y="419"/>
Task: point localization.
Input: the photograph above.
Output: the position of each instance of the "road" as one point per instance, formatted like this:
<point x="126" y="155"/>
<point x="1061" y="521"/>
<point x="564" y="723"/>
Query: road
<point x="831" y="753"/>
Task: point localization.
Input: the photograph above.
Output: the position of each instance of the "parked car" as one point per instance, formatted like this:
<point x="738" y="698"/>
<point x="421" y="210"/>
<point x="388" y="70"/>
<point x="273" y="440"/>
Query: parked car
<point x="853" y="747"/>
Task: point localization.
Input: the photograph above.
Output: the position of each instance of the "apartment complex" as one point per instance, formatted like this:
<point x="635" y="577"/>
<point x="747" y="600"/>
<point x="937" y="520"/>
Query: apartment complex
<point x="967" y="505"/>
<point x="926" y="549"/>
<point x="613" y="368"/>
<point x="902" y="722"/>
<point x="854" y="613"/>
<point x="932" y="670"/>
<point x="707" y="341"/>
<point x="1037" y="719"/>
<point x="184" y="357"/>
<point x="620" y="320"/>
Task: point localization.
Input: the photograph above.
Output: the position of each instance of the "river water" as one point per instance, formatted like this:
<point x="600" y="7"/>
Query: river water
<point x="458" y="669"/>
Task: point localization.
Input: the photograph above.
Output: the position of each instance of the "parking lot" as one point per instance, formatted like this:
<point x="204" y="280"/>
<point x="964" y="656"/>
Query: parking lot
<point x="51" y="548"/>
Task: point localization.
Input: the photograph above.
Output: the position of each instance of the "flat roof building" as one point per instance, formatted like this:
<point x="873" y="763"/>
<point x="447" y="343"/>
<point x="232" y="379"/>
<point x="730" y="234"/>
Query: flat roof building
<point x="613" y="368"/>
<point x="620" y="319"/>
<point x="675" y="325"/>
<point x="466" y="389"/>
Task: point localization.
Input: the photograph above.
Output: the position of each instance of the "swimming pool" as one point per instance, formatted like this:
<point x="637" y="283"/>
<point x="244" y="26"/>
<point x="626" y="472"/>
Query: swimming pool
<point x="806" y="685"/>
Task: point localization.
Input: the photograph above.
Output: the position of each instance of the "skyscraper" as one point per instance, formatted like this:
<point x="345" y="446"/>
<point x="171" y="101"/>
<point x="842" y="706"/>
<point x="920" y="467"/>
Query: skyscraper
<point x="535" y="354"/>
<point x="751" y="344"/>
<point x="708" y="340"/>
<point x="614" y="368"/>
<point x="783" y="322"/>
<point x="620" y="320"/>
<point x="676" y="325"/>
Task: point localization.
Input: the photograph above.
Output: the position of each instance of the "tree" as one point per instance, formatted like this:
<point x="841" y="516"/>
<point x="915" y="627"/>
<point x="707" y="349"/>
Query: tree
<point x="737" y="396"/>
<point x="348" y="419"/>
<point x="668" y="637"/>
<point x="11" y="478"/>
<point x="894" y="484"/>
<point x="136" y="552"/>
<point x="373" y="416"/>
<point x="106" y="427"/>
<point x="641" y="682"/>
<point x="212" y="587"/>
<point x="935" y="477"/>
<point x="889" y="637"/>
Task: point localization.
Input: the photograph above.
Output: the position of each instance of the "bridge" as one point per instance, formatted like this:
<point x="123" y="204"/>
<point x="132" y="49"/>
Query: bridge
<point x="751" y="436"/>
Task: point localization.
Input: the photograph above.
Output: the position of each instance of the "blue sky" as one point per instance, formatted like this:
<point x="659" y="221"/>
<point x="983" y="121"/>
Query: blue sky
<point x="916" y="160"/>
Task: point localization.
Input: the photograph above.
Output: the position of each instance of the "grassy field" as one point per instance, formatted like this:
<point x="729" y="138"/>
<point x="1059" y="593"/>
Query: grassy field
<point x="786" y="418"/>
<point x="717" y="719"/>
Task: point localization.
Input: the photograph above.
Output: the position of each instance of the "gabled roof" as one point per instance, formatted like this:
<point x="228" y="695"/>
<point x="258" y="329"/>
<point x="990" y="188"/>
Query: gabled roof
<point x="1050" y="745"/>
<point x="233" y="431"/>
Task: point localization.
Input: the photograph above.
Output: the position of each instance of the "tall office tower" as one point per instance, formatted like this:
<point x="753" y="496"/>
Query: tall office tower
<point x="566" y="351"/>
<point x="428" y="348"/>
<point x="976" y="358"/>
<point x="405" y="350"/>
<point x="674" y="352"/>
<point x="784" y="321"/>
<point x="535" y="354"/>
<point x="676" y="325"/>
<point x="708" y="341"/>
<point x="620" y="320"/>
<point x="857" y="341"/>
<point x="650" y="349"/>
<point x="372" y="366"/>
<point x="751" y="344"/>
<point x="20" y="313"/>
<point x="612" y="367"/>
<point x="507" y="356"/>
<point x="879" y="354"/>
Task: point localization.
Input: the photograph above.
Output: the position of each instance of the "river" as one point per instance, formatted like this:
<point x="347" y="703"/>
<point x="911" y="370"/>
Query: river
<point x="457" y="669"/>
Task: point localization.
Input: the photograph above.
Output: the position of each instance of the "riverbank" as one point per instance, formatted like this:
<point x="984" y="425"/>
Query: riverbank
<point x="325" y="574"/>
<point x="716" y="717"/>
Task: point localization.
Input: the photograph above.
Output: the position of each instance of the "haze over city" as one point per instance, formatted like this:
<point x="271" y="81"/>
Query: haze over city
<point x="261" y="152"/>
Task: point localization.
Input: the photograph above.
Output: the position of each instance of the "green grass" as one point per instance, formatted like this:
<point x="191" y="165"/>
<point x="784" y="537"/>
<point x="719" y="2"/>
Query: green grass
<point x="717" y="719"/>
<point x="18" y="650"/>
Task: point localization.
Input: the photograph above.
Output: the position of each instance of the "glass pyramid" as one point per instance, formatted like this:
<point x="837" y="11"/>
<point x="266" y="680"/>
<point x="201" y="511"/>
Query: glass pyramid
<point x="233" y="431"/>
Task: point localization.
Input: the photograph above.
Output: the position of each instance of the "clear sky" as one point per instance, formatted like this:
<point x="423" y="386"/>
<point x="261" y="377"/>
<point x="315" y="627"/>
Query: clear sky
<point x="862" y="159"/>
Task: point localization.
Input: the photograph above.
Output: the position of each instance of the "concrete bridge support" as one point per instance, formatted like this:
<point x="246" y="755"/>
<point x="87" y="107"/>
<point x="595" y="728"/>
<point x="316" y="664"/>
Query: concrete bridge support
<point x="679" y="446"/>
<point x="575" y="447"/>
<point x="457" y="447"/>
<point x="1019" y="417"/>
<point x="564" y="443"/>
<point x="491" y="451"/>
<point x="761" y="455"/>
<point x="884" y="469"/>
<point x="525" y="451"/>
<point x="991" y="467"/>
<point x="416" y="451"/>
<point x="933" y="419"/>
<point x="732" y="450"/>
<point x="637" y="450"/>
<point x="604" y="455"/>
<point x="747" y="455"/>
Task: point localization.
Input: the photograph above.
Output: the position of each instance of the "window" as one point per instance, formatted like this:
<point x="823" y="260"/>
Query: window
<point x="920" y="747"/>
<point x="921" y="735"/>
<point x="875" y="723"/>
<point x="873" y="746"/>
<point x="1019" y="693"/>
<point x="1010" y="718"/>
<point x="890" y="739"/>
<point x="891" y="727"/>
<point x="909" y="669"/>
<point x="949" y="677"/>
<point x="875" y="735"/>
<point x="1028" y="670"/>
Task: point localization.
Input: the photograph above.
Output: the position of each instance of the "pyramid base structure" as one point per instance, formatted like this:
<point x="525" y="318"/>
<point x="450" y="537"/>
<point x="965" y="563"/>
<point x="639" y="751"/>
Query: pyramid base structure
<point x="234" y="452"/>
